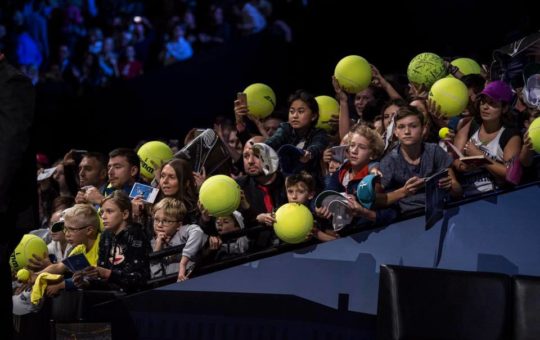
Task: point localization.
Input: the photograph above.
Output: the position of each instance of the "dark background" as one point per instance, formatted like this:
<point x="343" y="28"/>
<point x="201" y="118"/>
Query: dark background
<point x="166" y="103"/>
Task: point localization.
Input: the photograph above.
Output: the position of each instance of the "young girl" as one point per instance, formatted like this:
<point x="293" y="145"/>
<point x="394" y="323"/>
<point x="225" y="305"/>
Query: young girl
<point x="123" y="248"/>
<point x="170" y="231"/>
<point x="299" y="131"/>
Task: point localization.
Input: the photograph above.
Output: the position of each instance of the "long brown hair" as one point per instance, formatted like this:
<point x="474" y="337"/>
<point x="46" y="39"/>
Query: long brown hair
<point x="187" y="189"/>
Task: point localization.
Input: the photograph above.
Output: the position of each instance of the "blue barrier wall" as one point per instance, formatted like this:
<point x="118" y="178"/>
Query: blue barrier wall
<point x="499" y="233"/>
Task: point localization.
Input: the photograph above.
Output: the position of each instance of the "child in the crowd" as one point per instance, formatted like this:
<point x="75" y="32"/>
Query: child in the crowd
<point x="169" y="232"/>
<point x="234" y="246"/>
<point x="406" y="166"/>
<point x="81" y="229"/>
<point x="169" y="214"/>
<point x="299" y="131"/>
<point x="300" y="188"/>
<point x="365" y="146"/>
<point x="59" y="248"/>
<point x="123" y="249"/>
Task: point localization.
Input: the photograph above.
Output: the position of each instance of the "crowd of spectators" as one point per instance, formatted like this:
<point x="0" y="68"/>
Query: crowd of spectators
<point x="389" y="140"/>
<point x="84" y="202"/>
<point x="89" y="44"/>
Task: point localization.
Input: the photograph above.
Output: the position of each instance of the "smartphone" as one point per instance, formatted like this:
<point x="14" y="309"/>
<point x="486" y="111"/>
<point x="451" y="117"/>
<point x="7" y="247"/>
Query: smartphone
<point x="242" y="97"/>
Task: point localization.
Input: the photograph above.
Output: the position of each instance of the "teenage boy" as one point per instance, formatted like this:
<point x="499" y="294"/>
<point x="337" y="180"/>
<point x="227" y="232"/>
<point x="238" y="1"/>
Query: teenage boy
<point x="406" y="166"/>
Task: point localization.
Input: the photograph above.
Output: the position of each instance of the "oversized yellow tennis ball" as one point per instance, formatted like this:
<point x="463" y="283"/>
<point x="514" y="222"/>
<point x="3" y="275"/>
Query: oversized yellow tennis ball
<point x="353" y="73"/>
<point x="30" y="245"/>
<point x="220" y="195"/>
<point x="466" y="66"/>
<point x="328" y="107"/>
<point x="23" y="275"/>
<point x="293" y="222"/>
<point x="261" y="100"/>
<point x="155" y="151"/>
<point x="451" y="94"/>
<point x="425" y="69"/>
<point x="534" y="134"/>
<point x="443" y="132"/>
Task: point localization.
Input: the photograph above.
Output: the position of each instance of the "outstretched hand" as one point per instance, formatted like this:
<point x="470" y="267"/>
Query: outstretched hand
<point x="434" y="109"/>
<point x="199" y="177"/>
<point x="412" y="185"/>
<point x="340" y="92"/>
<point x="376" y="78"/>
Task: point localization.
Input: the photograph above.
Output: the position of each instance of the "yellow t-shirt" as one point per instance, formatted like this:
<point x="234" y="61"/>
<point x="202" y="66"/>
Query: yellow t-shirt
<point x="91" y="255"/>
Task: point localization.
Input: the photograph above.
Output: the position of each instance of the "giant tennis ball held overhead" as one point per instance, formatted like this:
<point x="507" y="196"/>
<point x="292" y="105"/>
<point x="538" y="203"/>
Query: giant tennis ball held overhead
<point x="425" y="69"/>
<point x="534" y="134"/>
<point x="293" y="223"/>
<point x="220" y="195"/>
<point x="328" y="107"/>
<point x="353" y="73"/>
<point x="467" y="66"/>
<point x="451" y="94"/>
<point x="151" y="153"/>
<point x="29" y="246"/>
<point x="261" y="100"/>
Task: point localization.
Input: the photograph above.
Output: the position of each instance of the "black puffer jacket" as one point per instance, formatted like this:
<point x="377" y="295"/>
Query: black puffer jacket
<point x="126" y="255"/>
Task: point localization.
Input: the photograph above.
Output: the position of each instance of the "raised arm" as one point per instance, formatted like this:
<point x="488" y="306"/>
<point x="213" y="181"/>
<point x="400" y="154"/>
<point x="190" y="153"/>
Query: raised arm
<point x="344" y="117"/>
<point x="380" y="81"/>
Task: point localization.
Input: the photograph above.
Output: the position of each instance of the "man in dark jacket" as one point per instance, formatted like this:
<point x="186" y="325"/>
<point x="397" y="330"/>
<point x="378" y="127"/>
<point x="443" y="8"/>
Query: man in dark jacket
<point x="17" y="174"/>
<point x="264" y="193"/>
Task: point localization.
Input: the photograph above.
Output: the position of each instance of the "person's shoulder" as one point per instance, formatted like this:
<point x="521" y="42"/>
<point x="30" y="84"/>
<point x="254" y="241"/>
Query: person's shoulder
<point x="511" y="131"/>
<point x="78" y="249"/>
<point x="391" y="156"/>
<point x="318" y="131"/>
<point x="9" y="73"/>
<point x="242" y="180"/>
<point x="188" y="231"/>
<point x="285" y="126"/>
<point x="434" y="150"/>
<point x="192" y="227"/>
<point x="104" y="236"/>
<point x="508" y="133"/>
<point x="135" y="229"/>
<point x="432" y="147"/>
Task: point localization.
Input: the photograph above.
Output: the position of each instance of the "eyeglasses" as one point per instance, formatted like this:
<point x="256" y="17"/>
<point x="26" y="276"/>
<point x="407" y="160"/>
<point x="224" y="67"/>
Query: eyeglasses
<point x="168" y="222"/>
<point x="73" y="230"/>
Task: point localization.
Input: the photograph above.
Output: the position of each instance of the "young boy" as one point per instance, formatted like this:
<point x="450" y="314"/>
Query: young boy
<point x="300" y="188"/>
<point x="169" y="231"/>
<point x="364" y="147"/>
<point x="235" y="246"/>
<point x="406" y="166"/>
